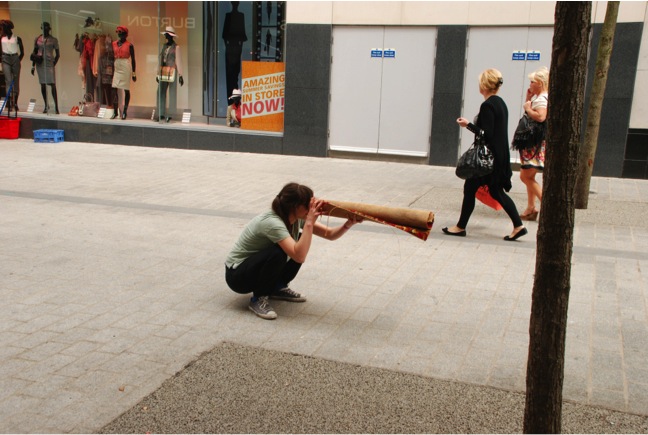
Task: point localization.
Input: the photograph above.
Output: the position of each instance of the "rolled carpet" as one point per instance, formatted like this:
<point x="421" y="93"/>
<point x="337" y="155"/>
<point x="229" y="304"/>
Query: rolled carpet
<point x="415" y="222"/>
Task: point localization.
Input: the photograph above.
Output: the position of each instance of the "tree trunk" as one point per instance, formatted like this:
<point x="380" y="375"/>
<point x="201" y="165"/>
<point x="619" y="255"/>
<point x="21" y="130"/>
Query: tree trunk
<point x="545" y="367"/>
<point x="588" y="150"/>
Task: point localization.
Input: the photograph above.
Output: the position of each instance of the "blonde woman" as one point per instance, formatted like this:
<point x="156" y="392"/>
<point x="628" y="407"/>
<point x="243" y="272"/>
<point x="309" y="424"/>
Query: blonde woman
<point x="493" y="120"/>
<point x="532" y="159"/>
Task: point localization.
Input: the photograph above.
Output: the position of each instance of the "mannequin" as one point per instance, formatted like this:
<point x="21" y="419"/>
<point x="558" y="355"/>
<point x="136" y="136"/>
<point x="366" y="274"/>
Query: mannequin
<point x="233" y="118"/>
<point x="44" y="61"/>
<point x="85" y="45"/>
<point x="233" y="36"/>
<point x="124" y="71"/>
<point x="171" y="57"/>
<point x="103" y="66"/>
<point x="12" y="54"/>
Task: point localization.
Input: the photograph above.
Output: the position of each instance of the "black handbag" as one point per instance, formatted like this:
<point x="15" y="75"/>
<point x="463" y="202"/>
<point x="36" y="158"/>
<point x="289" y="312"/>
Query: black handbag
<point x="477" y="161"/>
<point x="36" y="58"/>
<point x="528" y="134"/>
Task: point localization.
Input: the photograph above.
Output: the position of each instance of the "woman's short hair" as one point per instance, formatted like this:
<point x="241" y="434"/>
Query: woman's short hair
<point x="490" y="80"/>
<point x="7" y="24"/>
<point x="291" y="196"/>
<point x="541" y="76"/>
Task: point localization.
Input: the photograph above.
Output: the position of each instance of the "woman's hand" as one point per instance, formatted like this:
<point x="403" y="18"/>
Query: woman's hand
<point x="527" y="106"/>
<point x="463" y="122"/>
<point x="314" y="210"/>
<point x="355" y="219"/>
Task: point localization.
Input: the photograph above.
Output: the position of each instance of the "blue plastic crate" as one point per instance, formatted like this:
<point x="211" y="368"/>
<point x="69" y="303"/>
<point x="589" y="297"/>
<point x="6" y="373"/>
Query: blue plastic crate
<point x="48" y="135"/>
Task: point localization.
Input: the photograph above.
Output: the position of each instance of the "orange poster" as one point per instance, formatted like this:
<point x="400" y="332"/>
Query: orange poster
<point x="262" y="103"/>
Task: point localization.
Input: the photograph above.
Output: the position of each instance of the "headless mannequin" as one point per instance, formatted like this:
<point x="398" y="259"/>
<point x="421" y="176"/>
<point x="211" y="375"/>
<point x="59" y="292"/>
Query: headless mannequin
<point x="234" y="36"/>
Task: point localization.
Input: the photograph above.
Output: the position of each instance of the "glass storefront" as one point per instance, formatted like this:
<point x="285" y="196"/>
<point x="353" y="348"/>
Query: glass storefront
<point x="167" y="60"/>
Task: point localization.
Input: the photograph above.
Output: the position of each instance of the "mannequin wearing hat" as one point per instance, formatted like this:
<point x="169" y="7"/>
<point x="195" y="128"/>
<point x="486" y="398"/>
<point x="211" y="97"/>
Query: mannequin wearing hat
<point x="170" y="60"/>
<point x="44" y="58"/>
<point x="12" y="55"/>
<point x="233" y="118"/>
<point x="124" y="71"/>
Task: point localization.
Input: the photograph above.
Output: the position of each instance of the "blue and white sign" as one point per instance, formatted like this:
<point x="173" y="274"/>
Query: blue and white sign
<point x="518" y="55"/>
<point x="376" y="52"/>
<point x="533" y="55"/>
<point x="390" y="52"/>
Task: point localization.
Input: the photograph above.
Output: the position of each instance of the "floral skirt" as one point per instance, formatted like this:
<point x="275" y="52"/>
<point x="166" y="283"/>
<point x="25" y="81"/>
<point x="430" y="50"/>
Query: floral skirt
<point x="533" y="158"/>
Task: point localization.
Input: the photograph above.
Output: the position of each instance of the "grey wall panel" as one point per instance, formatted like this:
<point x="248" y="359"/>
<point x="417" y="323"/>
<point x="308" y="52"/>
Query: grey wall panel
<point x="257" y="144"/>
<point x="448" y="91"/>
<point x="308" y="131"/>
<point x="615" y="114"/>
<point x="121" y="134"/>
<point x="165" y="138"/>
<point x="202" y="140"/>
<point x="82" y="133"/>
<point x="308" y="70"/>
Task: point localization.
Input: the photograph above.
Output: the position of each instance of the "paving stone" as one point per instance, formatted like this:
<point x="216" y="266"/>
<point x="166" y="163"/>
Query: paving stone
<point x="126" y="285"/>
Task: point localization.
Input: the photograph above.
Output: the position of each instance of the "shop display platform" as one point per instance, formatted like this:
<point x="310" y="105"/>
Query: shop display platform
<point x="141" y="131"/>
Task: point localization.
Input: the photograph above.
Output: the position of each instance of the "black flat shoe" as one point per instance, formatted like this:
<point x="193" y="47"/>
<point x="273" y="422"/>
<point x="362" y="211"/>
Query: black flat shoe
<point x="450" y="233"/>
<point x="123" y="115"/>
<point x="168" y="118"/>
<point x="115" y="114"/>
<point x="517" y="235"/>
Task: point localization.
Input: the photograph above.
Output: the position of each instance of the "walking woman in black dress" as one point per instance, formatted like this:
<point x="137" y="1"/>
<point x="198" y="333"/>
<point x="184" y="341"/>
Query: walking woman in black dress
<point x="493" y="120"/>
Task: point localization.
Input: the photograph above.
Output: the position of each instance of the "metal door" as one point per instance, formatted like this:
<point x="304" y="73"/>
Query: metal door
<point x="407" y="85"/>
<point x="382" y="104"/>
<point x="496" y="48"/>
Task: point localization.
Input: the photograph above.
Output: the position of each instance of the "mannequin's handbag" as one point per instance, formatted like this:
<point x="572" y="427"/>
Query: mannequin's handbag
<point x="477" y="161"/>
<point x="88" y="107"/>
<point x="167" y="74"/>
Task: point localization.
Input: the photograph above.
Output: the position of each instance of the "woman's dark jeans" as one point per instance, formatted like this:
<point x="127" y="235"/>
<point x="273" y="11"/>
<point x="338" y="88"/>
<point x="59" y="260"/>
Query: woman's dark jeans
<point x="263" y="273"/>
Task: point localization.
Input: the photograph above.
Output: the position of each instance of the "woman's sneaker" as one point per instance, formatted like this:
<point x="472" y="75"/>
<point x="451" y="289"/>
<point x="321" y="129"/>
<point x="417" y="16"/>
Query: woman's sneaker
<point x="286" y="294"/>
<point x="262" y="308"/>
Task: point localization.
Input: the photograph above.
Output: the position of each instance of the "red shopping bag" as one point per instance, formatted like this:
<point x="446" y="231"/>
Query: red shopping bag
<point x="484" y="196"/>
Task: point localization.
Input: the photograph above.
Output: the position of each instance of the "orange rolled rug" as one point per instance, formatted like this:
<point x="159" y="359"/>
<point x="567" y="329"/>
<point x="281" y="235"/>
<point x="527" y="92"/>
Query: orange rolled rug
<point x="415" y="222"/>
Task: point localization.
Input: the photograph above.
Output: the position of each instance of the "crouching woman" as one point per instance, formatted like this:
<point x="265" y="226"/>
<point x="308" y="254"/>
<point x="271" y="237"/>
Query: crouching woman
<point x="272" y="247"/>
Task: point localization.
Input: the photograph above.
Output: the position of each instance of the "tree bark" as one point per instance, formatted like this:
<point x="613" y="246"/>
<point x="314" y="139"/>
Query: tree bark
<point x="547" y="328"/>
<point x="588" y="150"/>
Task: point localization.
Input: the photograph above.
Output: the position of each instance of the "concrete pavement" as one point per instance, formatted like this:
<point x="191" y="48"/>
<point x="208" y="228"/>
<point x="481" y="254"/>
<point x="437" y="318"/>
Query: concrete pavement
<point x="111" y="277"/>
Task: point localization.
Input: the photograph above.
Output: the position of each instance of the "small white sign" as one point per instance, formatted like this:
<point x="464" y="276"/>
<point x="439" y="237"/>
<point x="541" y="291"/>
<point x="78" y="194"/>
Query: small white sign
<point x="518" y="55"/>
<point x="108" y="113"/>
<point x="102" y="112"/>
<point x="31" y="105"/>
<point x="186" y="116"/>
